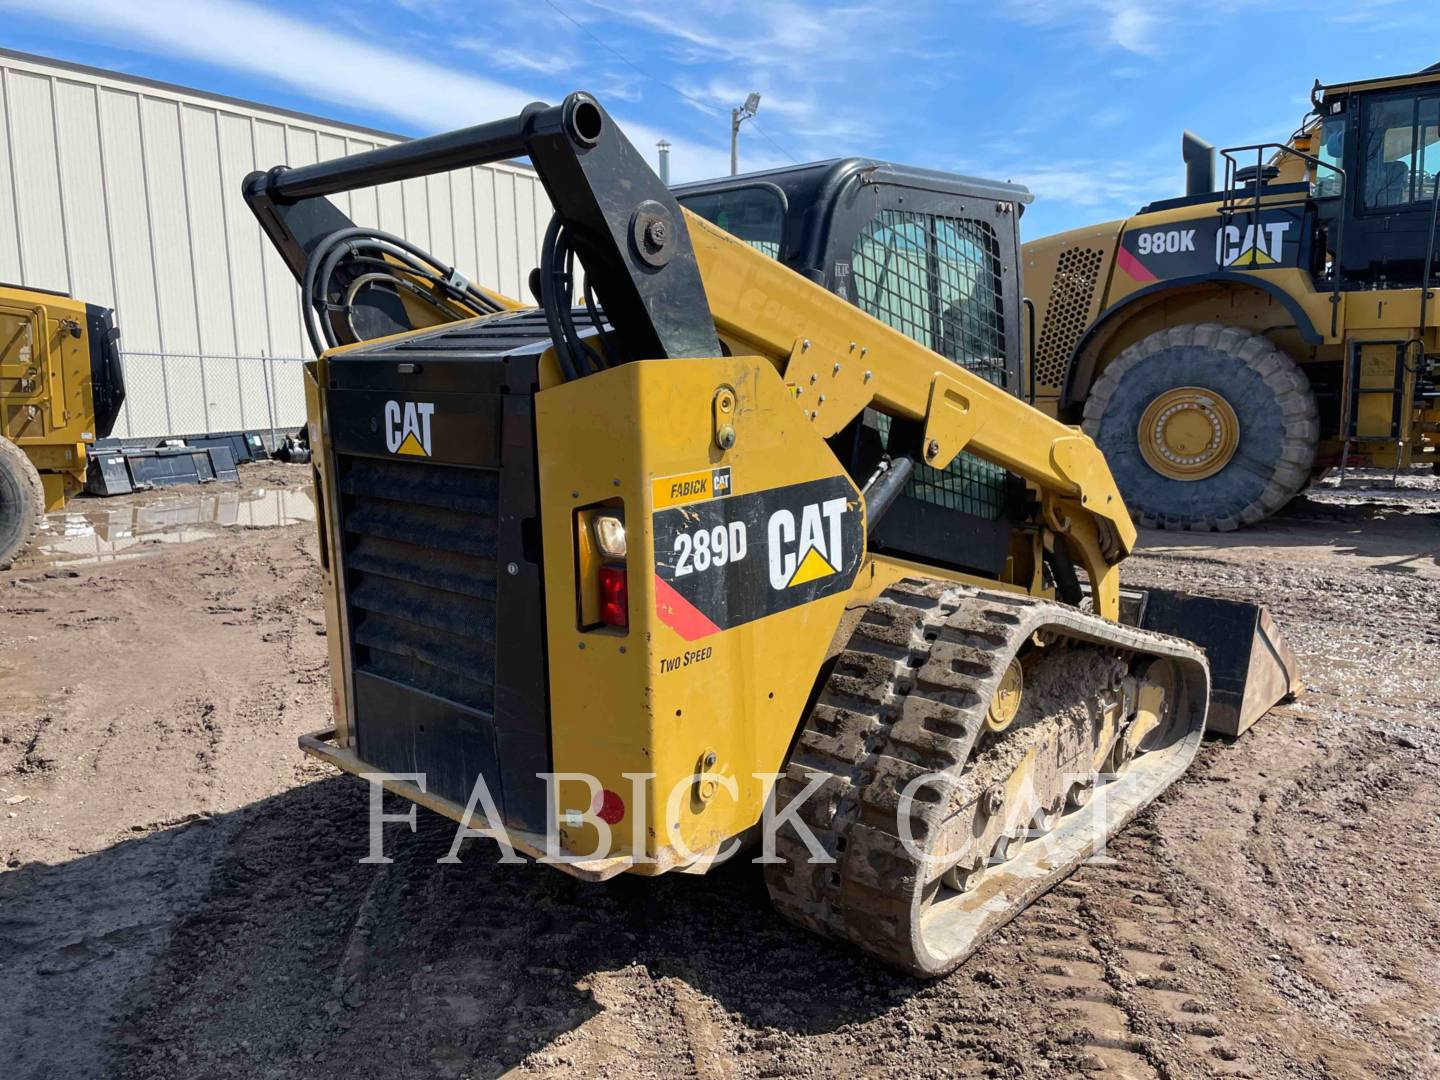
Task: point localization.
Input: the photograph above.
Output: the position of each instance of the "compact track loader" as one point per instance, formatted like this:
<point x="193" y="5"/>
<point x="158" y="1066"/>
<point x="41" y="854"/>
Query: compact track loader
<point x="1228" y="347"/>
<point x="614" y="577"/>
<point x="61" y="388"/>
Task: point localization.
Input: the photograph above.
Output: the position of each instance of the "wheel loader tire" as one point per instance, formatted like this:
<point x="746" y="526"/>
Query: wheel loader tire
<point x="1266" y="427"/>
<point x="22" y="502"/>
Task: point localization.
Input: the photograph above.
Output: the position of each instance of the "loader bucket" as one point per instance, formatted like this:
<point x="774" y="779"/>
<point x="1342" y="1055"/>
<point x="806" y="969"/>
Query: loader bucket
<point x="1251" y="667"/>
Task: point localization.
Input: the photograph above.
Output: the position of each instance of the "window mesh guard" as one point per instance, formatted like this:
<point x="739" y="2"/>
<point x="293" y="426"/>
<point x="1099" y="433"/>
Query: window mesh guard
<point x="938" y="281"/>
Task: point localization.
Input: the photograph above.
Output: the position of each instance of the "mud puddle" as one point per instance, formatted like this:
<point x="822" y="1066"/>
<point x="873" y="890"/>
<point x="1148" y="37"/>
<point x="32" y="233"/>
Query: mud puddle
<point x="98" y="533"/>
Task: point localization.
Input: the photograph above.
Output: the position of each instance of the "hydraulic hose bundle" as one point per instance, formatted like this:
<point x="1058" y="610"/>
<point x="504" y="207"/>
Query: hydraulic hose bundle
<point x="557" y="298"/>
<point x="374" y="258"/>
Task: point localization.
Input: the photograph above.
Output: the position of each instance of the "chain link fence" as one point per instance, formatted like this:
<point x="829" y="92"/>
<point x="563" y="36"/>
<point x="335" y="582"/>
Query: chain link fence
<point x="174" y="394"/>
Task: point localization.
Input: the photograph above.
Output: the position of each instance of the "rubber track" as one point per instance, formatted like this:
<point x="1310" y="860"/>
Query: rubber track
<point x="908" y="697"/>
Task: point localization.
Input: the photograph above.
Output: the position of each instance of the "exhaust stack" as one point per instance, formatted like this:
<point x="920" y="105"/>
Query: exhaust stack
<point x="1199" y="158"/>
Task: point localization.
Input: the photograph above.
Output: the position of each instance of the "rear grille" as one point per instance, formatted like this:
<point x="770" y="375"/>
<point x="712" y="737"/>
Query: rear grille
<point x="420" y="543"/>
<point x="1067" y="314"/>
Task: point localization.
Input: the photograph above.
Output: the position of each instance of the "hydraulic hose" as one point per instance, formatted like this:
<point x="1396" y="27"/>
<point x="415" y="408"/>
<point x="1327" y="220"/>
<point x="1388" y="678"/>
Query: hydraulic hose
<point x="402" y="262"/>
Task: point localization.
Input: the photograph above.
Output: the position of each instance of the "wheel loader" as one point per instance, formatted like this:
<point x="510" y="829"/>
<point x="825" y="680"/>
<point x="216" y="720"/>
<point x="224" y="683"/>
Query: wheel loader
<point x="613" y="573"/>
<point x="61" y="388"/>
<point x="1227" y="347"/>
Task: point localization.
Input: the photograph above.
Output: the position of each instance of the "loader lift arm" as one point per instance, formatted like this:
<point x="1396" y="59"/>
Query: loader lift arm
<point x="667" y="280"/>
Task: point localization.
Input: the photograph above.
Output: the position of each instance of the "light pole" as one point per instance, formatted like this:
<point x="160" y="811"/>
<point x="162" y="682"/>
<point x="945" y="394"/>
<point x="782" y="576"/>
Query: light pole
<point x="738" y="117"/>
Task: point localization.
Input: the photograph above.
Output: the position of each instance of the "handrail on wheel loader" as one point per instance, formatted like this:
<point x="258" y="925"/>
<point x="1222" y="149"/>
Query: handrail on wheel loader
<point x="603" y="572"/>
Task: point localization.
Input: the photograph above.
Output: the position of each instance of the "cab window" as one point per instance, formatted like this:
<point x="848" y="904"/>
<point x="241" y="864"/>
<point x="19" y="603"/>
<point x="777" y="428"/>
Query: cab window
<point x="1400" y="152"/>
<point x="938" y="281"/>
<point x="754" y="214"/>
<point x="1332" y="152"/>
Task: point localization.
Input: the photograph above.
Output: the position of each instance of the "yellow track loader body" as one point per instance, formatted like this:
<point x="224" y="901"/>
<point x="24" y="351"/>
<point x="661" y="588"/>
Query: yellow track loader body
<point x="609" y="582"/>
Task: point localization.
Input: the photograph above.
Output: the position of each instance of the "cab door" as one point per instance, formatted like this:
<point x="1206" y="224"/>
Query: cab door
<point x="1392" y="158"/>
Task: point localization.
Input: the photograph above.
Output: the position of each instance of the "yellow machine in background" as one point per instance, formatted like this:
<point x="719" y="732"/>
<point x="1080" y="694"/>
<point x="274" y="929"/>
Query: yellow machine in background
<point x="615" y="575"/>
<point x="60" y="389"/>
<point x="1226" y="347"/>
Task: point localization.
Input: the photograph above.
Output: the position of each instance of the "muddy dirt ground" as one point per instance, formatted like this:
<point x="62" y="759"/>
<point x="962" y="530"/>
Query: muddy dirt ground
<point x="181" y="897"/>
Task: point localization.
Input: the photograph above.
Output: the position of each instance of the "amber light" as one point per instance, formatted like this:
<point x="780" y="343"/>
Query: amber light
<point x="614" y="596"/>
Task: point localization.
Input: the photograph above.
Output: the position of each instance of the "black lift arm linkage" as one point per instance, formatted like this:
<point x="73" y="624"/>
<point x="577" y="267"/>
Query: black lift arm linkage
<point x="620" y="219"/>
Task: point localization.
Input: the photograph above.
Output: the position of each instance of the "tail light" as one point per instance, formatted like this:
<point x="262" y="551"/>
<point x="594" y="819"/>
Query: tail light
<point x="614" y="596"/>
<point x="602" y="550"/>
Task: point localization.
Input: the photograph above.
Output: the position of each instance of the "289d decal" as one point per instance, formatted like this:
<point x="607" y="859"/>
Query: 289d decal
<point x="728" y="561"/>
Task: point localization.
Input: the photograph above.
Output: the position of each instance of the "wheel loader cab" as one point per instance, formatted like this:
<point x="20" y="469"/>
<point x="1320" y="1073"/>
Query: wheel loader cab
<point x="933" y="255"/>
<point x="1385" y="135"/>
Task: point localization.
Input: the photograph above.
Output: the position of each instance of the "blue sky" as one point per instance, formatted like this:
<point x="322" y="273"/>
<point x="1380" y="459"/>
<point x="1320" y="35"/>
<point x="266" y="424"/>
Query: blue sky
<point x="1082" y="100"/>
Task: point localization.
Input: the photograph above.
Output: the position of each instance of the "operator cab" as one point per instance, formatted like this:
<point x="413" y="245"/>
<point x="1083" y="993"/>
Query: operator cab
<point x="933" y="255"/>
<point x="1385" y="134"/>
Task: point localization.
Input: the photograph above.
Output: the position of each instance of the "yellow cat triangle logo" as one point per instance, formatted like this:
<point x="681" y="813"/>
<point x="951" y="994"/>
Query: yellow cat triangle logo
<point x="812" y="567"/>
<point x="412" y="446"/>
<point x="1260" y="258"/>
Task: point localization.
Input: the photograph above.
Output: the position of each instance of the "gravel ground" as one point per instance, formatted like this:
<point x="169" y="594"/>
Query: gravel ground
<point x="181" y="893"/>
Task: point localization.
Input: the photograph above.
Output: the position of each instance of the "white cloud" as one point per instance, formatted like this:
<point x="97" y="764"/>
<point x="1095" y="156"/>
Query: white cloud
<point x="553" y="61"/>
<point x="803" y="57"/>
<point x="1130" y="25"/>
<point x="339" y="68"/>
<point x="783" y="32"/>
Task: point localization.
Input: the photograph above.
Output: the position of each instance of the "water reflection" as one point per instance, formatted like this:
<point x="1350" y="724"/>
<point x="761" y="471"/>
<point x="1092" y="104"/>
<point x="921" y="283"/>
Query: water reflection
<point x="107" y="534"/>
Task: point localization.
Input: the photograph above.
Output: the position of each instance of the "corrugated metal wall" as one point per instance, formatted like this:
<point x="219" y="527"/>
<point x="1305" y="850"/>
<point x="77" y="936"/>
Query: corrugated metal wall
<point x="127" y="194"/>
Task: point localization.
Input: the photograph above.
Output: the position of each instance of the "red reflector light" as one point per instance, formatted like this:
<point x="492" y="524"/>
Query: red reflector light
<point x="614" y="596"/>
<point x="611" y="808"/>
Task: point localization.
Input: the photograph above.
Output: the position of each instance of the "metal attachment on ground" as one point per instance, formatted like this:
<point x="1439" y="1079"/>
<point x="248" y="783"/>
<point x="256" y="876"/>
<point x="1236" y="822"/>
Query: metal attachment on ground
<point x="1005" y="705"/>
<point x="652" y="233"/>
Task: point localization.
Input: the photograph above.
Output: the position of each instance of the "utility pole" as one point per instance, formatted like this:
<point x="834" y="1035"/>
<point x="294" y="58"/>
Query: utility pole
<point x="738" y="117"/>
<point x="663" y="146"/>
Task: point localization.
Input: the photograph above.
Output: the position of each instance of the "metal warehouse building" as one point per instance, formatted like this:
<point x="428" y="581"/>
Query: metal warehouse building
<point x="126" y="192"/>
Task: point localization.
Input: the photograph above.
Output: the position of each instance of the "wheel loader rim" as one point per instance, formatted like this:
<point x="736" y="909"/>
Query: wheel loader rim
<point x="1188" y="433"/>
